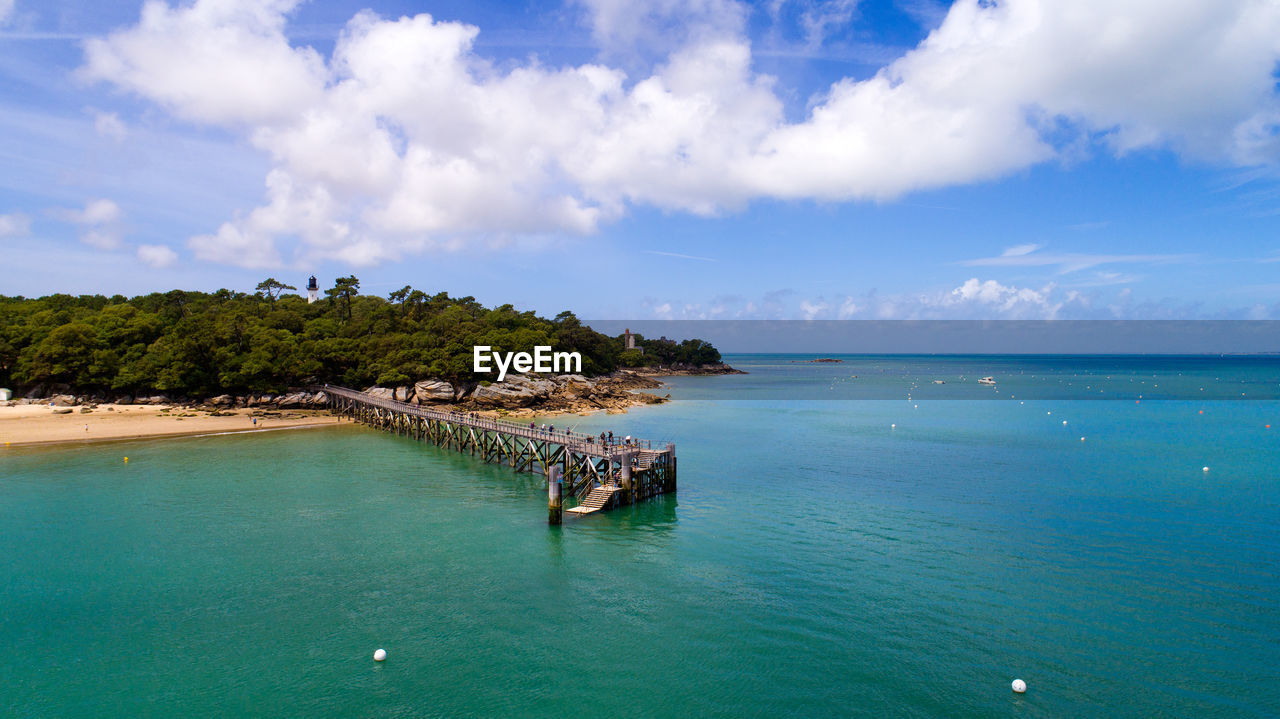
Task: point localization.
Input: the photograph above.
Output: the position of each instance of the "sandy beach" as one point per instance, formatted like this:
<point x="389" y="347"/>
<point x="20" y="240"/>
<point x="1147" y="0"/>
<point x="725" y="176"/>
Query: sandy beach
<point x="38" y="424"/>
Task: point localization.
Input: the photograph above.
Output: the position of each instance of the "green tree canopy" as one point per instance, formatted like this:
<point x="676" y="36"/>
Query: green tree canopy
<point x="200" y="344"/>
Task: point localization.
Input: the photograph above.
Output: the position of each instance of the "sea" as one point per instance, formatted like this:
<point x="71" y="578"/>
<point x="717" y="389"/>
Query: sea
<point x="849" y="539"/>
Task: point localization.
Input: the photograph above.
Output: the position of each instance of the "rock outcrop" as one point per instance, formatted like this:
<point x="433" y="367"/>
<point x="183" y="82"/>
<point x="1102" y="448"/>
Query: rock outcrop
<point x="676" y="370"/>
<point x="516" y="391"/>
<point x="434" y="391"/>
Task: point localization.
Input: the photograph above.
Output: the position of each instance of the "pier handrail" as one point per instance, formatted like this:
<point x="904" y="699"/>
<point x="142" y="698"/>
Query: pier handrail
<point x="584" y="443"/>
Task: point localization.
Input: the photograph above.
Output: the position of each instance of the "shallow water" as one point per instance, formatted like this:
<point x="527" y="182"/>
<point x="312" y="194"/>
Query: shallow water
<point x="815" y="562"/>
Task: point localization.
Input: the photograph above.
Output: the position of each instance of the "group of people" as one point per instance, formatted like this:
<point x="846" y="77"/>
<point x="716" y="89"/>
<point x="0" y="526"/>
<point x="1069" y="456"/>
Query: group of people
<point x="606" y="438"/>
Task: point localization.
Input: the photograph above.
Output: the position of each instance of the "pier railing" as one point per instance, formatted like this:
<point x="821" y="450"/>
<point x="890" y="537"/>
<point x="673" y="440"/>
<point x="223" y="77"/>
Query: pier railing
<point x="633" y="469"/>
<point x="577" y="441"/>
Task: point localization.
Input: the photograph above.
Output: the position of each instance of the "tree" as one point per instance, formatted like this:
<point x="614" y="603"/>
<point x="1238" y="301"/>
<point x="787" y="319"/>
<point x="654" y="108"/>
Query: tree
<point x="399" y="295"/>
<point x="344" y="289"/>
<point x="200" y="344"/>
<point x="64" y="355"/>
<point x="272" y="288"/>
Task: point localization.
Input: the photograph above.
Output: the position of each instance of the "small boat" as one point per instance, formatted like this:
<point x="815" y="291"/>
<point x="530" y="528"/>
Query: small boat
<point x="938" y="381"/>
<point x="987" y="380"/>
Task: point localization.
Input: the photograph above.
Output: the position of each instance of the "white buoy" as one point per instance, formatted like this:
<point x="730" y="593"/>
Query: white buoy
<point x="1064" y="423"/>
<point x="379" y="655"/>
<point x="893" y="426"/>
<point x="1019" y="686"/>
<point x="1206" y="469"/>
<point x="1082" y="439"/>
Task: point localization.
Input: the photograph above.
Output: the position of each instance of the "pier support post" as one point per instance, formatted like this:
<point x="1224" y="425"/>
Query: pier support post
<point x="626" y="478"/>
<point x="555" y="511"/>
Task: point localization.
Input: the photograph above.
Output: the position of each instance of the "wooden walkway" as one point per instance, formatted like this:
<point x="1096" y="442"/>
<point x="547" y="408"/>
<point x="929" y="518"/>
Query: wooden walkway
<point x="627" y="472"/>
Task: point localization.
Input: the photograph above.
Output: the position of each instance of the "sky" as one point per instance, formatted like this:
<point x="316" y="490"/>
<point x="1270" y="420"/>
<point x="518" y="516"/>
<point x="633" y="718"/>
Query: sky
<point x="654" y="159"/>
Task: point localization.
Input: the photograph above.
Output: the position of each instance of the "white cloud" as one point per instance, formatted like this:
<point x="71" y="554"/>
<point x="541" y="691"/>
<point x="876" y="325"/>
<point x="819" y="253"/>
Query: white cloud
<point x="108" y="125"/>
<point x="405" y="138"/>
<point x="972" y="299"/>
<point x="103" y="239"/>
<point x="1020" y="250"/>
<point x="1008" y="302"/>
<point x="623" y="27"/>
<point x="14" y="225"/>
<point x="215" y="61"/>
<point x="97" y="212"/>
<point x="1030" y="256"/>
<point x="99" y="223"/>
<point x="812" y="310"/>
<point x="817" y="19"/>
<point x="678" y="255"/>
<point x="157" y="256"/>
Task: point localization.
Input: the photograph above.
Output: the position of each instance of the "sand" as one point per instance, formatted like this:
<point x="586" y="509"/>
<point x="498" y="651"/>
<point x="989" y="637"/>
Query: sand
<point x="37" y="424"/>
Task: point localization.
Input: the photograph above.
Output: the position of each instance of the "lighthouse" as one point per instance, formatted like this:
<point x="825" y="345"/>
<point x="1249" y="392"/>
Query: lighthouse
<point x="313" y="290"/>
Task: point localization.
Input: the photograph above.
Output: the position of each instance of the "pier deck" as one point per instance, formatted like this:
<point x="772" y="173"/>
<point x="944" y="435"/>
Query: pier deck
<point x="622" y="472"/>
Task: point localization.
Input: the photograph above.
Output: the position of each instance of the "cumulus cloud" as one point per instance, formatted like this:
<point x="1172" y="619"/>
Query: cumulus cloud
<point x="99" y="223"/>
<point x="157" y="256"/>
<point x="14" y="225"/>
<point x="405" y="138"/>
<point x="974" y="298"/>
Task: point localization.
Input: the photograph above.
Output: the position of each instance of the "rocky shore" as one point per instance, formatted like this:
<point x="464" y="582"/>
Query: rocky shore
<point x="680" y="370"/>
<point x="518" y="395"/>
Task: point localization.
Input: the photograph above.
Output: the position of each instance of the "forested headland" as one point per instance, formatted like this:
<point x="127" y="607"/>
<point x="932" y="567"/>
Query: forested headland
<point x="199" y="344"/>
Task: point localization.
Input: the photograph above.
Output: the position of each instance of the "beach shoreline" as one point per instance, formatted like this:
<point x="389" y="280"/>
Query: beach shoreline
<point x="31" y="425"/>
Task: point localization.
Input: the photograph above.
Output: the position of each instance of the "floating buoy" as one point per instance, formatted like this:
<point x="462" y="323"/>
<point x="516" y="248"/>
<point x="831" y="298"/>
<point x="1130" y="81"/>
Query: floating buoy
<point x="1082" y="439"/>
<point x="126" y="459"/>
<point x="894" y="426"/>
<point x="917" y="406"/>
<point x="1048" y="412"/>
<point x="1064" y="423"/>
<point x="1206" y="469"/>
<point x="379" y="655"/>
<point x="1019" y="686"/>
<point x="1268" y="427"/>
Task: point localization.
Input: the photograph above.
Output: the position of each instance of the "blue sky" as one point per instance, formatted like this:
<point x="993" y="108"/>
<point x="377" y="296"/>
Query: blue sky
<point x="654" y="159"/>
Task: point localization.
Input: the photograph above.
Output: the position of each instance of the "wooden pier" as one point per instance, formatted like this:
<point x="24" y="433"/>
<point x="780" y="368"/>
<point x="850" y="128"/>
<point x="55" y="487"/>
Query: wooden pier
<point x="597" y="475"/>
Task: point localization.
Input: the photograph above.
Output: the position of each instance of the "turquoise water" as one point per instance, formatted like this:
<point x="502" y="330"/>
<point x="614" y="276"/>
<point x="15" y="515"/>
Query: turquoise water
<point x="815" y="562"/>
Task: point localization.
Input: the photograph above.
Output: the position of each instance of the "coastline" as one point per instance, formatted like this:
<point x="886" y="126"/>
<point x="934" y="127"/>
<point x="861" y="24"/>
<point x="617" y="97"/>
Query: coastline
<point x="67" y="419"/>
<point x="36" y="425"/>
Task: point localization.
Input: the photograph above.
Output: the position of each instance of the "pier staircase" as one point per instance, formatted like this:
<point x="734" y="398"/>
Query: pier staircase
<point x="599" y="498"/>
